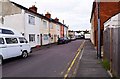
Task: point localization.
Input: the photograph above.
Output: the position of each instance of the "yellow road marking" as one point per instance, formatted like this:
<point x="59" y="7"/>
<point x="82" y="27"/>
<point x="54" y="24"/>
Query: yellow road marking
<point x="73" y="62"/>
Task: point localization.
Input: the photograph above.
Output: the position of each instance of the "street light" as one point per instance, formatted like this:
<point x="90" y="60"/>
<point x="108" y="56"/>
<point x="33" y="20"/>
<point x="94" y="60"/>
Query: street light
<point x="99" y="31"/>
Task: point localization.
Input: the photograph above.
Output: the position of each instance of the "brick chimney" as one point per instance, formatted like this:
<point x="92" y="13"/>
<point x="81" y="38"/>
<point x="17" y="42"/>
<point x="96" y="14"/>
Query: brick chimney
<point x="33" y="8"/>
<point x="48" y="15"/>
<point x="56" y="19"/>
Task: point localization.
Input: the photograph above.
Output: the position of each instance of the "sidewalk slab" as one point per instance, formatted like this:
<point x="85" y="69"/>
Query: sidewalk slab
<point x="89" y="65"/>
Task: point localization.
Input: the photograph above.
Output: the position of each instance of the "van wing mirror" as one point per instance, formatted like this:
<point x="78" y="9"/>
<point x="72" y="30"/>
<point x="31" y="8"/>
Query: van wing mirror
<point x="26" y="41"/>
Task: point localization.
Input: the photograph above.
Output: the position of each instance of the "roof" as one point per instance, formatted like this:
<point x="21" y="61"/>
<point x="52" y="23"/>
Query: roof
<point x="40" y="15"/>
<point x="93" y="8"/>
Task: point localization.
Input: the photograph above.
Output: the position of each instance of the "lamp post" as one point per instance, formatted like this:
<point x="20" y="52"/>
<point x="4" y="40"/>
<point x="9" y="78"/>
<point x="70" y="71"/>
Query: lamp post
<point x="99" y="31"/>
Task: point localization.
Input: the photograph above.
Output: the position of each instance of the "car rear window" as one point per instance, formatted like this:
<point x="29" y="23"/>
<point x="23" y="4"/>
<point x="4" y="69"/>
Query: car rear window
<point x="1" y="41"/>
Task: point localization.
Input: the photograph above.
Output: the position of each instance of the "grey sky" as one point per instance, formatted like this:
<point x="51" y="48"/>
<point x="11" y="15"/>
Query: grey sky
<point x="75" y="13"/>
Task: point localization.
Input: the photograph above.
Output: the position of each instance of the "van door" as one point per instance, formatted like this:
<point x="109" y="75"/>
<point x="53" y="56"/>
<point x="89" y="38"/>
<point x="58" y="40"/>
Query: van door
<point x="24" y="44"/>
<point x="2" y="46"/>
<point x="12" y="48"/>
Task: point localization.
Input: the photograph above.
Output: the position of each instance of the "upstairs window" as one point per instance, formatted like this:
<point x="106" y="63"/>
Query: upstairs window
<point x="44" y="24"/>
<point x="31" y="20"/>
<point x="51" y="26"/>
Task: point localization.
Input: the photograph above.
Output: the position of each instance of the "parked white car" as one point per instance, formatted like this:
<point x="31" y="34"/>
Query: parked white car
<point x="12" y="45"/>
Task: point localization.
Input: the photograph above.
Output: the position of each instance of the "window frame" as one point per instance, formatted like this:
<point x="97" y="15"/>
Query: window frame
<point x="2" y="41"/>
<point x="11" y="40"/>
<point x="33" y="36"/>
<point x="45" y="24"/>
<point x="31" y="19"/>
<point x="23" y="40"/>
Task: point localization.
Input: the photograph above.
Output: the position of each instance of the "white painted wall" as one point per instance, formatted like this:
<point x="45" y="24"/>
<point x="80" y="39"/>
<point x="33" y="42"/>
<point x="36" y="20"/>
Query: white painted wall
<point x="44" y="31"/>
<point x="15" y="21"/>
<point x="32" y="29"/>
<point x="58" y="30"/>
<point x="19" y="22"/>
<point x="113" y="22"/>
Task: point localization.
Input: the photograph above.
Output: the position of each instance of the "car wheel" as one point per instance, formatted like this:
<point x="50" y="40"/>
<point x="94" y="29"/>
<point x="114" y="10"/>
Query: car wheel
<point x="24" y="54"/>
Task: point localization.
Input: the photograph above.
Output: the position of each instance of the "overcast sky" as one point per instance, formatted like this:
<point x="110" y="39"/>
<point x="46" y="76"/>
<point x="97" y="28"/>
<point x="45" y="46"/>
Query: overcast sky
<point x="75" y="13"/>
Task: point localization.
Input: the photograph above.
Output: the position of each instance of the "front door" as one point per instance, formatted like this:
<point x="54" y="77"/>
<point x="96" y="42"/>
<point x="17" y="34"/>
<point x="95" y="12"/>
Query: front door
<point x="41" y="39"/>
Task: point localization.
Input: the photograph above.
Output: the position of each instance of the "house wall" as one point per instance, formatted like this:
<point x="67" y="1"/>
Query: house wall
<point x="107" y="10"/>
<point x="19" y="22"/>
<point x="65" y="31"/>
<point x="45" y="32"/>
<point x="61" y="31"/>
<point x="92" y="31"/>
<point x="32" y="29"/>
<point x="13" y="22"/>
<point x="112" y="43"/>
<point x="57" y="31"/>
<point x="52" y="32"/>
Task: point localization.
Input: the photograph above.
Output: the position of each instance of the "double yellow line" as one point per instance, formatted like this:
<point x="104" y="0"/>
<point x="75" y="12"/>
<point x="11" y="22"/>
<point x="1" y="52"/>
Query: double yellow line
<point x="74" y="60"/>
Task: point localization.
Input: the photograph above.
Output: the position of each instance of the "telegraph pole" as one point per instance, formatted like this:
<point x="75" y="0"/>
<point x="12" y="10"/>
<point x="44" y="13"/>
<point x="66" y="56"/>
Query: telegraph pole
<point x="99" y="30"/>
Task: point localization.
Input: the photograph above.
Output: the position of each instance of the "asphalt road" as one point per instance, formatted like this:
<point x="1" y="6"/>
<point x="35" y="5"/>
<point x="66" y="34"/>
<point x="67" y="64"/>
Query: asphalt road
<point x="47" y="62"/>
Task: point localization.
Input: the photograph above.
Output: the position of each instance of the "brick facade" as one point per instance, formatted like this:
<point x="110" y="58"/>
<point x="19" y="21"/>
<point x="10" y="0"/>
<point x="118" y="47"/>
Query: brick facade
<point x="107" y="10"/>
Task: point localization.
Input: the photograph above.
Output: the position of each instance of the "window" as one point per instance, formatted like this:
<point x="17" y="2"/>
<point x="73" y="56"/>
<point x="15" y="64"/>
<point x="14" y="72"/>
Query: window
<point x="11" y="40"/>
<point x="23" y="40"/>
<point x="31" y="37"/>
<point x="1" y="41"/>
<point x="31" y="20"/>
<point x="5" y="31"/>
<point x="51" y="26"/>
<point x="45" y="24"/>
<point x="45" y="37"/>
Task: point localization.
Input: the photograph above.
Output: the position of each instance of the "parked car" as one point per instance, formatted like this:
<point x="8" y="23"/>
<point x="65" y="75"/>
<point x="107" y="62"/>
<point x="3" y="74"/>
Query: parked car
<point x="82" y="37"/>
<point x="12" y="45"/>
<point x="68" y="39"/>
<point x="63" y="40"/>
<point x="87" y="36"/>
<point x="73" y="38"/>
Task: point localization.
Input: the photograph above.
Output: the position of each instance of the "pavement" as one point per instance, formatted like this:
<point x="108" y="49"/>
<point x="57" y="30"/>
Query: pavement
<point x="89" y="65"/>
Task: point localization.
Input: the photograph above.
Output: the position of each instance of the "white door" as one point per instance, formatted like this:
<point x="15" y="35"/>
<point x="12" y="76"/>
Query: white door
<point x="12" y="48"/>
<point x="24" y="44"/>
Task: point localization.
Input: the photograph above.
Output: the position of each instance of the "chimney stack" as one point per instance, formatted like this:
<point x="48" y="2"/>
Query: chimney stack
<point x="48" y="15"/>
<point x="56" y="19"/>
<point x="33" y="8"/>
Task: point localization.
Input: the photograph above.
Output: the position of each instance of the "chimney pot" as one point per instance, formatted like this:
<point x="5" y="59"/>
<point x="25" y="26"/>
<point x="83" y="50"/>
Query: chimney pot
<point x="56" y="19"/>
<point x="48" y="15"/>
<point x="33" y="8"/>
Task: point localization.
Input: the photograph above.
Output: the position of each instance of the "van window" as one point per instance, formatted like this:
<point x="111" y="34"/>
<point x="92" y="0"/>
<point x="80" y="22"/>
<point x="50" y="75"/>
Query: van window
<point x="11" y="40"/>
<point x="5" y="31"/>
<point x="1" y="41"/>
<point x="23" y="40"/>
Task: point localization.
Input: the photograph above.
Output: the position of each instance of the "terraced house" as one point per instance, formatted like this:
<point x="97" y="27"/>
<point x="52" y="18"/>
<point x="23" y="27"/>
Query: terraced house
<point x="37" y="28"/>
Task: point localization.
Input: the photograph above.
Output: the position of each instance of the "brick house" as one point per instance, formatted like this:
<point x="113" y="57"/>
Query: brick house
<point x="107" y="10"/>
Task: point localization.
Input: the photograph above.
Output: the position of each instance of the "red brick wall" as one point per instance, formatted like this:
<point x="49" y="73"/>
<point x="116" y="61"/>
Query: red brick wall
<point x="61" y="31"/>
<point x="107" y="10"/>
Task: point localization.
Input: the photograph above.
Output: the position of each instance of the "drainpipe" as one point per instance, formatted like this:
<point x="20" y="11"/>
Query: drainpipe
<point x="99" y="32"/>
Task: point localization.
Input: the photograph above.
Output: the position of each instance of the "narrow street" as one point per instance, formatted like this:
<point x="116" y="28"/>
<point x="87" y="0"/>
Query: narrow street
<point x="47" y="62"/>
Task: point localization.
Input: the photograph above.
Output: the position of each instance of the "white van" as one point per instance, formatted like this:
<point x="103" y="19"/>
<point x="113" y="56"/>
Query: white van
<point x="12" y="45"/>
